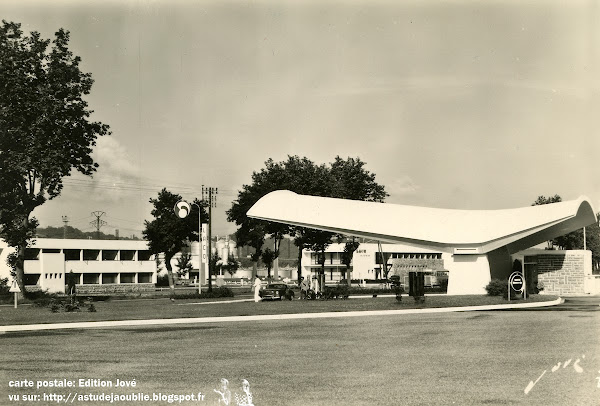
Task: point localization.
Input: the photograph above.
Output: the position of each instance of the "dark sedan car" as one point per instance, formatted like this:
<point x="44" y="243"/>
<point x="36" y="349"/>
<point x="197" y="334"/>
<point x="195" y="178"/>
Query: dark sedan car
<point x="273" y="291"/>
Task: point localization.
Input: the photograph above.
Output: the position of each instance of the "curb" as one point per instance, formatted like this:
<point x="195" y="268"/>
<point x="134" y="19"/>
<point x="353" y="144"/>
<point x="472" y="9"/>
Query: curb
<point x="297" y="316"/>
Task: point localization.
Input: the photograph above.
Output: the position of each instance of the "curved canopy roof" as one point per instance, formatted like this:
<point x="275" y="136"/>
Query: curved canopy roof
<point x="464" y="231"/>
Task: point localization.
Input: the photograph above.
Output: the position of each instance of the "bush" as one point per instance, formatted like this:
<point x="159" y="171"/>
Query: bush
<point x="4" y="288"/>
<point x="218" y="292"/>
<point x="497" y="287"/>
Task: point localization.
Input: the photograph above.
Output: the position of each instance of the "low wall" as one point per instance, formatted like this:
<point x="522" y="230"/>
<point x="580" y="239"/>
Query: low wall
<point x="115" y="288"/>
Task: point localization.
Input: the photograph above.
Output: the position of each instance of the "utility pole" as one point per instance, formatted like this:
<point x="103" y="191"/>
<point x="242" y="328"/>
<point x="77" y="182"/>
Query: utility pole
<point x="210" y="194"/>
<point x="98" y="222"/>
<point x="65" y="220"/>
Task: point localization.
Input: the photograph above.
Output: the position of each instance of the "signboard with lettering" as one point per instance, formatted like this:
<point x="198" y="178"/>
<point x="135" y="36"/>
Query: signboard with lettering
<point x="516" y="282"/>
<point x="204" y="244"/>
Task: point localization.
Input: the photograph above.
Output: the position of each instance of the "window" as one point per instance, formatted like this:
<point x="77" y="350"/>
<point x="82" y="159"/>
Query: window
<point x="145" y="277"/>
<point x="91" y="278"/>
<point x="109" y="255"/>
<point x="51" y="250"/>
<point x="127" y="255"/>
<point x="90" y="255"/>
<point x="32" y="254"/>
<point x="109" y="278"/>
<point x="31" y="278"/>
<point x="72" y="255"/>
<point x="144" y="255"/>
<point x="128" y="278"/>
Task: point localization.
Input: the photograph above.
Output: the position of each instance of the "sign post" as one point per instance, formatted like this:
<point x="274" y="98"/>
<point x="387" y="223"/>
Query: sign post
<point x="16" y="290"/>
<point x="516" y="282"/>
<point x="204" y="249"/>
<point x="182" y="210"/>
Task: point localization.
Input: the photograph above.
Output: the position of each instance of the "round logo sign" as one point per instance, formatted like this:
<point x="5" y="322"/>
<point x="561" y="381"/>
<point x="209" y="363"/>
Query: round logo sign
<point x="182" y="209"/>
<point x="516" y="281"/>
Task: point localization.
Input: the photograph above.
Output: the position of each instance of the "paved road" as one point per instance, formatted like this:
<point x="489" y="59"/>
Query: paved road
<point x="548" y="356"/>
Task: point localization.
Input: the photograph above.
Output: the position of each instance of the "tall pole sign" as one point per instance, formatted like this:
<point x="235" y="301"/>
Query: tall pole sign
<point x="209" y="194"/>
<point x="182" y="209"/>
<point x="204" y="248"/>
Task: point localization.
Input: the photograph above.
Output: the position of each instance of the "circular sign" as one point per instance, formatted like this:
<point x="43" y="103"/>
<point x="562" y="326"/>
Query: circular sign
<point x="182" y="209"/>
<point x="516" y="281"/>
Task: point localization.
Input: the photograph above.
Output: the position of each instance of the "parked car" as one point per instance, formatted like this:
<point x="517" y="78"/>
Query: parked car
<point x="273" y="291"/>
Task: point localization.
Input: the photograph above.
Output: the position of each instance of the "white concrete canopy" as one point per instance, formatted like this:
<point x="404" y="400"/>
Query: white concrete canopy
<point x="464" y="231"/>
<point x="480" y="241"/>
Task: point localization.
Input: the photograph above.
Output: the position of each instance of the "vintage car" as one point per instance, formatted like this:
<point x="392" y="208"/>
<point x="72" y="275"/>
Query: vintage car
<point x="273" y="291"/>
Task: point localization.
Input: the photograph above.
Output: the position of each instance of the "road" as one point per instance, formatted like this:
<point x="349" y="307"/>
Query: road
<point x="548" y="356"/>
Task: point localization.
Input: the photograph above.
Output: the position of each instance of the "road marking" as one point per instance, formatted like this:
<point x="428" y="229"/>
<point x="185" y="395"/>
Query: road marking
<point x="297" y="316"/>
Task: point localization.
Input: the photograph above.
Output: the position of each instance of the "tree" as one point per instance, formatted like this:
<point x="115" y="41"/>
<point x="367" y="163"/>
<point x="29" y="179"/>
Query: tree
<point x="251" y="234"/>
<point x="214" y="263"/>
<point x="352" y="181"/>
<point x="232" y="264"/>
<point x="348" y="254"/>
<point x="320" y="240"/>
<point x="268" y="256"/>
<point x="45" y="129"/>
<point x="347" y="179"/>
<point x="184" y="264"/>
<point x="167" y="233"/>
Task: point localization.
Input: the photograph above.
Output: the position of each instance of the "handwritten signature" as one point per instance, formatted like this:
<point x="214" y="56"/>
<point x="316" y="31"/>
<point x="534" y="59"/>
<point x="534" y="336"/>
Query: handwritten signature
<point x="561" y="365"/>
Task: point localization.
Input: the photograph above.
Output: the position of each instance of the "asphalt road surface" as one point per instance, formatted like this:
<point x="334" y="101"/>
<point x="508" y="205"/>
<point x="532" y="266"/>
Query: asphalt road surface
<point x="547" y="356"/>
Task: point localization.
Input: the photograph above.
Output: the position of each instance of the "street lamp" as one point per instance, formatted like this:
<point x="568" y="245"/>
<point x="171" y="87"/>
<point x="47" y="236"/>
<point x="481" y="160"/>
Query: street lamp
<point x="182" y="210"/>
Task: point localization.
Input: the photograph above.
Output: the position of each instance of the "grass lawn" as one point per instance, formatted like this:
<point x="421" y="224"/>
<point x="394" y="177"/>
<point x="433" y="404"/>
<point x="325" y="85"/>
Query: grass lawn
<point x="164" y="308"/>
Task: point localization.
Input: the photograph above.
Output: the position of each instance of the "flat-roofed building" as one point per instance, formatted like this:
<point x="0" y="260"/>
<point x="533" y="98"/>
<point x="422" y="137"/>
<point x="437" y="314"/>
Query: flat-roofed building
<point x="99" y="266"/>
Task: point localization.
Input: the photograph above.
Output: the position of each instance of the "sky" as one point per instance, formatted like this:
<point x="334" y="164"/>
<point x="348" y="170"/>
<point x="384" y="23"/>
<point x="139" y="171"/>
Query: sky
<point x="451" y="104"/>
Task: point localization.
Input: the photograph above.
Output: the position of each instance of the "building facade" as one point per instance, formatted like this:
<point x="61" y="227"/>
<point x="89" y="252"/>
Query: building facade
<point x="563" y="273"/>
<point x="98" y="266"/>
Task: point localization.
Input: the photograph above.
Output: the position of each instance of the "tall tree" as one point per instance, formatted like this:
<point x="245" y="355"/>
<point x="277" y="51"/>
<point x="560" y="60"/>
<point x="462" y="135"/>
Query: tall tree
<point x="167" y="233"/>
<point x="299" y="175"/>
<point x="352" y="181"/>
<point x="45" y="129"/>
<point x="347" y="179"/>
<point x="268" y="256"/>
<point x="251" y="234"/>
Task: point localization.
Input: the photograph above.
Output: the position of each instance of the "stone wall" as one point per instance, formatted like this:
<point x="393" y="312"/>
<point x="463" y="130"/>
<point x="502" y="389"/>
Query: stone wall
<point x="561" y="273"/>
<point x="115" y="288"/>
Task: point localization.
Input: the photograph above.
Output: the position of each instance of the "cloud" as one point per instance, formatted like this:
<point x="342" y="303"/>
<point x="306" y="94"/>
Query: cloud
<point x="113" y="160"/>
<point x="402" y="186"/>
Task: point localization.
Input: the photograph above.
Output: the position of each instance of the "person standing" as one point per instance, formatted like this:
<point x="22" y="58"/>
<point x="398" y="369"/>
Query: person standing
<point x="304" y="288"/>
<point x="257" y="286"/>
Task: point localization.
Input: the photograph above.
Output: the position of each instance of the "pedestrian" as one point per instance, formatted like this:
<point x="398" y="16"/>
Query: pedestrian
<point x="257" y="286"/>
<point x="304" y="288"/>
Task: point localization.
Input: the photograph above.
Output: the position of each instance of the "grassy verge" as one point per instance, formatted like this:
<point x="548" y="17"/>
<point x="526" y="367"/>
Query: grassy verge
<point x="164" y="308"/>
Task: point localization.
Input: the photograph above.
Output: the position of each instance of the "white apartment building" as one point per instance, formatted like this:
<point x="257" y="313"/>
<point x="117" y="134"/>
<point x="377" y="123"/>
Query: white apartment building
<point x="98" y="265"/>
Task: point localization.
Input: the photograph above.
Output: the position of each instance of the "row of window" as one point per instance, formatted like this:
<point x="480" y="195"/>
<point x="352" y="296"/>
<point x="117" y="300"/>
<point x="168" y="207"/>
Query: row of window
<point x="33" y="254"/>
<point x="411" y="255"/>
<point x="107" y="278"/>
<point x="335" y="258"/>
